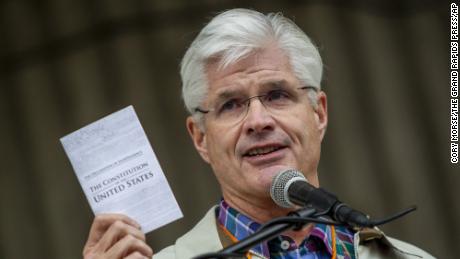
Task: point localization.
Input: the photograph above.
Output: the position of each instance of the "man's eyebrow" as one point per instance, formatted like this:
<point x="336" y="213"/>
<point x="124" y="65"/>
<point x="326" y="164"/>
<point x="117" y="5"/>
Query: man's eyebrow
<point x="227" y="93"/>
<point x="270" y="83"/>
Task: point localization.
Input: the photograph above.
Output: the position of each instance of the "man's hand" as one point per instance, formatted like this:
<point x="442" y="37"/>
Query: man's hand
<point x="115" y="236"/>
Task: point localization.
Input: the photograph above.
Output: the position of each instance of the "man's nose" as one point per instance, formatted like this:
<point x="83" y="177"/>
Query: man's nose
<point x="258" y="118"/>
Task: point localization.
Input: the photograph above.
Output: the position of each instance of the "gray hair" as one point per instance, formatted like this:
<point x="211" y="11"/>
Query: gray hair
<point x="233" y="35"/>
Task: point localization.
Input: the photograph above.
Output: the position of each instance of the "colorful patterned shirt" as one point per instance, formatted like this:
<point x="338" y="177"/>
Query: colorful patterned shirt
<point x="319" y="244"/>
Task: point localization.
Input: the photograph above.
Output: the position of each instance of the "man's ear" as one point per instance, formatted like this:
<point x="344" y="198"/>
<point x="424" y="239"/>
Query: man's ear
<point x="198" y="138"/>
<point x="321" y="113"/>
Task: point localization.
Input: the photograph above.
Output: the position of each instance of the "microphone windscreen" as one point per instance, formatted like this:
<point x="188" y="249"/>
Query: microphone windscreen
<point x="280" y="186"/>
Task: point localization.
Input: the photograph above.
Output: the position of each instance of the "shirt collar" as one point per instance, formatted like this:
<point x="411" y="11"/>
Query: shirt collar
<point x="241" y="226"/>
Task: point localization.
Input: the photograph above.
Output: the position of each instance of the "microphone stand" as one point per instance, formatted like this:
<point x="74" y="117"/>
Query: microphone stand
<point x="272" y="230"/>
<point x="241" y="247"/>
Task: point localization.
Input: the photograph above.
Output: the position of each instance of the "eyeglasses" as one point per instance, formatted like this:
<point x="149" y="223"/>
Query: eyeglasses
<point x="232" y="109"/>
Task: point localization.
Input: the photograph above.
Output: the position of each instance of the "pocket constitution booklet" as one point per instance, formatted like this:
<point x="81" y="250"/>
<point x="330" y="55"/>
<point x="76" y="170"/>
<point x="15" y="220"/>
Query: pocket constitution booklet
<point x="119" y="172"/>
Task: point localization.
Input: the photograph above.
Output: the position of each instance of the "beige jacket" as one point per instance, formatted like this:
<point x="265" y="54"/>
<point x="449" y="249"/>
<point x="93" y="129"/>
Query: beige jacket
<point x="205" y="238"/>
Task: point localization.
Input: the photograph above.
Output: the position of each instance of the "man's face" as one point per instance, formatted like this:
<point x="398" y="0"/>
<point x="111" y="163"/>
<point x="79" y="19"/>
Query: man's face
<point x="246" y="155"/>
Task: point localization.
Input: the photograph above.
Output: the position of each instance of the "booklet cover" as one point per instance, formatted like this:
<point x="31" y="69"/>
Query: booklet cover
<point x="119" y="172"/>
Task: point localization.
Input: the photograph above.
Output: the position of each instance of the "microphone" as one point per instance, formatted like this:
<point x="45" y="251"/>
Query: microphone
<point x="290" y="188"/>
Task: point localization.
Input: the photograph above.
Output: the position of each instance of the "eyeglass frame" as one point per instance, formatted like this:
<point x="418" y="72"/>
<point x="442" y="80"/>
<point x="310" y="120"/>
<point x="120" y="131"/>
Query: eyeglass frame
<point x="247" y="101"/>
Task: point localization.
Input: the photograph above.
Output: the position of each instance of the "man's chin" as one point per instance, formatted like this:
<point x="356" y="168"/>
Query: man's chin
<point x="274" y="169"/>
<point x="266" y="174"/>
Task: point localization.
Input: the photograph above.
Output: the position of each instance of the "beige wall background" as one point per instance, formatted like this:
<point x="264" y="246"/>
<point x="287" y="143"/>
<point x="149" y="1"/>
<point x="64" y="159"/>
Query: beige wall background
<point x="66" y="63"/>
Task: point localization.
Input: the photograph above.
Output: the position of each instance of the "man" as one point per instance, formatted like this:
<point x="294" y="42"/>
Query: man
<point x="251" y="83"/>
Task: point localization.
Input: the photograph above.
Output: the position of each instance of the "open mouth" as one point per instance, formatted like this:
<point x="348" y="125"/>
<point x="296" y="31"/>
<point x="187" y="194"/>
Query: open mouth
<point x="262" y="151"/>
